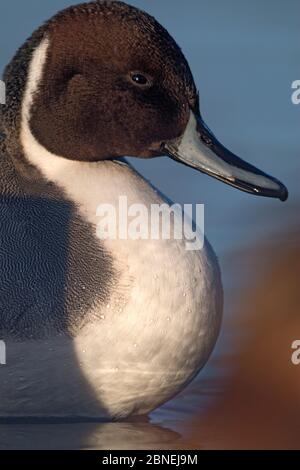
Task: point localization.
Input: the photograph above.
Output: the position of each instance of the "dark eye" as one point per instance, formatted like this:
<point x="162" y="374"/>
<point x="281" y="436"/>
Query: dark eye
<point x="140" y="79"/>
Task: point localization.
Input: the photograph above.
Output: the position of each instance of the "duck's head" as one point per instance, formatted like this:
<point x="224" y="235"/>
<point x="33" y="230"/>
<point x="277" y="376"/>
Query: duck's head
<point x="104" y="80"/>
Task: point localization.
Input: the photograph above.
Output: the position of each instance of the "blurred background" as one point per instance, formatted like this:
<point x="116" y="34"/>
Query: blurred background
<point x="244" y="55"/>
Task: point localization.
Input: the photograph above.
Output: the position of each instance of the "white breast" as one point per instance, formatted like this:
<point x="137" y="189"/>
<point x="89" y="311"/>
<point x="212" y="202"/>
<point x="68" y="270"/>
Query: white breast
<point x="163" y="318"/>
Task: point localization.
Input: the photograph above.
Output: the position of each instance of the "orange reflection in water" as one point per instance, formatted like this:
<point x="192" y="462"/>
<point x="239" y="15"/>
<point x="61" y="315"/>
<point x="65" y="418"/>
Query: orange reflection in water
<point x="260" y="406"/>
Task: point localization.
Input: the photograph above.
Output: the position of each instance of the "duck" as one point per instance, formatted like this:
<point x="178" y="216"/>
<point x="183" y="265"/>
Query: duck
<point x="94" y="327"/>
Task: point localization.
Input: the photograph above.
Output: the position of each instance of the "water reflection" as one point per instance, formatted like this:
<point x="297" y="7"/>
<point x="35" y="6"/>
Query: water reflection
<point x="259" y="405"/>
<point x="86" y="436"/>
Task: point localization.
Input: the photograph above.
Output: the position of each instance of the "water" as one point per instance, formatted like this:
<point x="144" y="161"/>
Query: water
<point x="244" y="56"/>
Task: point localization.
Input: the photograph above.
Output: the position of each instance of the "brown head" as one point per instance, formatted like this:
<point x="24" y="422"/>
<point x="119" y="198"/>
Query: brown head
<point x="115" y="83"/>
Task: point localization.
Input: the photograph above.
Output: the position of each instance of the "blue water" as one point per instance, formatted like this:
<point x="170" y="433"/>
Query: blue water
<point x="244" y="56"/>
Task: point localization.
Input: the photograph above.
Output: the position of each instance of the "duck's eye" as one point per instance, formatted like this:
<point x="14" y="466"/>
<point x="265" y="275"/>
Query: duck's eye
<point x="140" y="79"/>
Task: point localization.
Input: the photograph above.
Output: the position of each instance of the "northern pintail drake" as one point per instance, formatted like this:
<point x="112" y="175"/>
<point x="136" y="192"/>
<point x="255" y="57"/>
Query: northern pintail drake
<point x="102" y="327"/>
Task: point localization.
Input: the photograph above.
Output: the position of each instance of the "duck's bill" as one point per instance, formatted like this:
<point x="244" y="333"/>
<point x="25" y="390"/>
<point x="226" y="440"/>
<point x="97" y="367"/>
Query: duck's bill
<point x="199" y="149"/>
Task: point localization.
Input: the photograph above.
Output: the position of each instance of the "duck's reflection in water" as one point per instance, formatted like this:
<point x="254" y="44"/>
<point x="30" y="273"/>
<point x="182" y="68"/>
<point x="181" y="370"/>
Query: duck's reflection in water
<point x="41" y="435"/>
